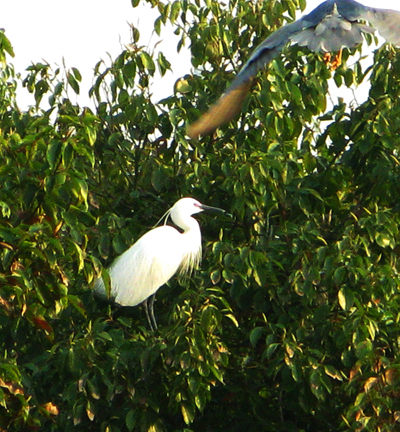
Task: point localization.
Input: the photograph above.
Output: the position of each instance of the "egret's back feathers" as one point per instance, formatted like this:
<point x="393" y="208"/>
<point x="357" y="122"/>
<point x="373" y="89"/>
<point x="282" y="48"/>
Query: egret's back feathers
<point x="151" y="262"/>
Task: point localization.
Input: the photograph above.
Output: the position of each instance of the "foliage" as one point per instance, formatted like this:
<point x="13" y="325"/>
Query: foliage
<point x="293" y="321"/>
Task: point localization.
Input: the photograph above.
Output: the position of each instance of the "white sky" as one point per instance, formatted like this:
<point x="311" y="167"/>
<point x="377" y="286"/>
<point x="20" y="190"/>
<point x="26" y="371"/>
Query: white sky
<point x="82" y="32"/>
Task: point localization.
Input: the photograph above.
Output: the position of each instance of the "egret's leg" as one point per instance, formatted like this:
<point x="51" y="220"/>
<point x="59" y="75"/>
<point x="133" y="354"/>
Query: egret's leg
<point x="151" y="307"/>
<point x="146" y="309"/>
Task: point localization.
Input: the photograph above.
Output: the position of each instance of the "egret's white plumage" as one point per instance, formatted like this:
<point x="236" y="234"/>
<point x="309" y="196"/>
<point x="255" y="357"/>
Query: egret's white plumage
<point x="140" y="271"/>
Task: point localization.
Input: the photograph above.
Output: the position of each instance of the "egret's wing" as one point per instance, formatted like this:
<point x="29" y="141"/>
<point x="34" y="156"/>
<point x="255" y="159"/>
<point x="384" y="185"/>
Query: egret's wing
<point x="142" y="269"/>
<point x="385" y="21"/>
<point x="147" y="265"/>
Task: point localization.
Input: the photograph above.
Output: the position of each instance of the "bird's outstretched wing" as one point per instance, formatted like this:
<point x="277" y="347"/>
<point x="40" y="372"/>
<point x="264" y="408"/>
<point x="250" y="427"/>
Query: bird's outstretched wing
<point x="385" y="21"/>
<point x="332" y="25"/>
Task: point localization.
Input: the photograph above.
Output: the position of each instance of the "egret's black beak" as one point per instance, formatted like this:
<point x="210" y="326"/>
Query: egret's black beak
<point x="214" y="210"/>
<point x="211" y="209"/>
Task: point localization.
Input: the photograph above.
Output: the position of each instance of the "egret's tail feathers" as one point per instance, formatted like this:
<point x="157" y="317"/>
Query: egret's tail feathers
<point x="99" y="288"/>
<point x="102" y="285"/>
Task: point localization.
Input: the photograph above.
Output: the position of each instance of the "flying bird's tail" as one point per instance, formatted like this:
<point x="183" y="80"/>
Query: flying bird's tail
<point x="224" y="110"/>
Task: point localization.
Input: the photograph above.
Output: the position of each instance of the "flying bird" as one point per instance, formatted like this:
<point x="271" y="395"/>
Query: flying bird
<point x="151" y="262"/>
<point x="334" y="24"/>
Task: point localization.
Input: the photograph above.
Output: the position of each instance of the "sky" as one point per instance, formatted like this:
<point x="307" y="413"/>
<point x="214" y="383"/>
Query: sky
<point x="79" y="33"/>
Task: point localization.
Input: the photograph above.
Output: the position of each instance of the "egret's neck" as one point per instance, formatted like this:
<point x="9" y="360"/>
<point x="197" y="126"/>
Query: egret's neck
<point x="188" y="224"/>
<point x="191" y="241"/>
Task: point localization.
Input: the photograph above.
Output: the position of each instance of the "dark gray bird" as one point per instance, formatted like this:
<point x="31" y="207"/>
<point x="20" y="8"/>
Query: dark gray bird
<point x="334" y="24"/>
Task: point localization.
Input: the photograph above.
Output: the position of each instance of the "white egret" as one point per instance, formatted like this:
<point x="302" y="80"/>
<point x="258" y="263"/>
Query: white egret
<point x="334" y="24"/>
<point x="140" y="271"/>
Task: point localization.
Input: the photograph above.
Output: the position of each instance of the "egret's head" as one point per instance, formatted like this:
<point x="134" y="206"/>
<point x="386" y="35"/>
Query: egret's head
<point x="190" y="206"/>
<point x="186" y="207"/>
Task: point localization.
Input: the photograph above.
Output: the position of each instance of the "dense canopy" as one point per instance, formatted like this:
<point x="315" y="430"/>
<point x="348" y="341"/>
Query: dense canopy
<point x="292" y="322"/>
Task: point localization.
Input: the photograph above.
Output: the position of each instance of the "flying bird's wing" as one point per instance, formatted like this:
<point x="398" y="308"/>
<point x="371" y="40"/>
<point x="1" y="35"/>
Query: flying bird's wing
<point x="230" y="103"/>
<point x="385" y="21"/>
<point x="331" y="26"/>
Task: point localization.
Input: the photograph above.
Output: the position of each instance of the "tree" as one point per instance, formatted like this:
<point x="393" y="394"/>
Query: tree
<point x="292" y="322"/>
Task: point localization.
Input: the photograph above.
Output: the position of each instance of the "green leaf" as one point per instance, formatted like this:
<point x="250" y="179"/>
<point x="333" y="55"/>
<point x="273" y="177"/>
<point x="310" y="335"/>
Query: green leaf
<point x="163" y="64"/>
<point x="271" y="349"/>
<point x="183" y="86"/>
<point x="215" y="276"/>
<point x="321" y="314"/>
<point x="188" y="412"/>
<point x="129" y="69"/>
<point x="346" y="298"/>
<point x="217" y="373"/>
<point x="77" y="74"/>
<point x="148" y="62"/>
<point x="54" y="153"/>
<point x="6" y="46"/>
<point x="79" y="255"/>
<point x="130" y="420"/>
<point x="339" y="275"/>
<point x="151" y="113"/>
<point x="383" y="239"/>
<point x="73" y="82"/>
<point x="333" y="373"/>
<point x="255" y="335"/>
<point x="317" y="385"/>
<point x="175" y="9"/>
